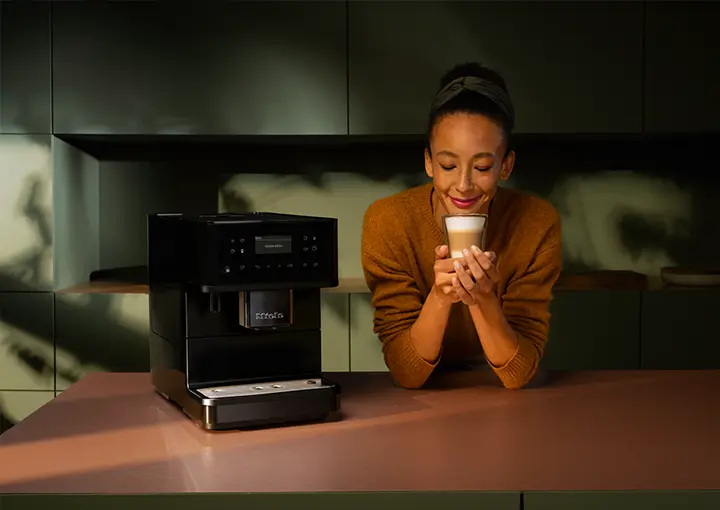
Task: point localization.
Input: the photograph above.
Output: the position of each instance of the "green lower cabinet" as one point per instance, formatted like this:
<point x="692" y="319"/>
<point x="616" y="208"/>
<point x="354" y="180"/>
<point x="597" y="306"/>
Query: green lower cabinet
<point x="594" y="330"/>
<point x="679" y="329"/>
<point x="335" y="315"/>
<point x="589" y="330"/>
<point x="622" y="500"/>
<point x="309" y="501"/>
<point x="365" y="347"/>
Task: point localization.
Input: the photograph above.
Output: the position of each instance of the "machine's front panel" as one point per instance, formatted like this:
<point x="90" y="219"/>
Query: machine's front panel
<point x="276" y="252"/>
<point x="270" y="356"/>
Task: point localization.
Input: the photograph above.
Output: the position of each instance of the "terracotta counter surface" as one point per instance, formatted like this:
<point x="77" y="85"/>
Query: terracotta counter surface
<point x="645" y="430"/>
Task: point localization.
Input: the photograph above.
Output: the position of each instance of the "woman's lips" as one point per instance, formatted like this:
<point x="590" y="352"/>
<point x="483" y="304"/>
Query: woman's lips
<point x="463" y="203"/>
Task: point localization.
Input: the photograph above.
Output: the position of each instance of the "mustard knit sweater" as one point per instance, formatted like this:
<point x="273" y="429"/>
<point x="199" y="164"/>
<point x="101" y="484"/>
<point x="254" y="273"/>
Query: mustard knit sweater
<point x="399" y="236"/>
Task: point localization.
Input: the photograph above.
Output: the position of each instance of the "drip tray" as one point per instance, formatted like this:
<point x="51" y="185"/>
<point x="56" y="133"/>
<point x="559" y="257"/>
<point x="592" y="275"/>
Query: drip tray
<point x="246" y="390"/>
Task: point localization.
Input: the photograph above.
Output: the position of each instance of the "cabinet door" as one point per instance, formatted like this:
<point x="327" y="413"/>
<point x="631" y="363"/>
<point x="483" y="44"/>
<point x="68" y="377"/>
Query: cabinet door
<point x="25" y="104"/>
<point x="226" y="68"/>
<point x="594" y="330"/>
<point x="679" y="329"/>
<point x="681" y="67"/>
<point x="365" y="347"/>
<point x="572" y="67"/>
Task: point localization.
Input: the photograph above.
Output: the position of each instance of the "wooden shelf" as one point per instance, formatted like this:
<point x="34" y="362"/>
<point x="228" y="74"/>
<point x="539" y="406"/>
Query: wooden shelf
<point x="599" y="281"/>
<point x="347" y="286"/>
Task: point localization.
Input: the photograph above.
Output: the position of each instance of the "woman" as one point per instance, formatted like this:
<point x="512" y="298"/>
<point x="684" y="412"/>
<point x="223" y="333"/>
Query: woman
<point x="490" y="306"/>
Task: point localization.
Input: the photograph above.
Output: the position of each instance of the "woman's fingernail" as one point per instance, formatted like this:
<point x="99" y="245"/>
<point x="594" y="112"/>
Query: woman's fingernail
<point x="457" y="265"/>
<point x="476" y="249"/>
<point x="466" y="252"/>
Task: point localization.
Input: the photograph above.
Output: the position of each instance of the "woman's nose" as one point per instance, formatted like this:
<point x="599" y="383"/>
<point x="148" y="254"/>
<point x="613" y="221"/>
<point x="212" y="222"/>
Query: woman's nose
<point x="464" y="183"/>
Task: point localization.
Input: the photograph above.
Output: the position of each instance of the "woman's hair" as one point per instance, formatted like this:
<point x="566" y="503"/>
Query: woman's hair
<point x="473" y="89"/>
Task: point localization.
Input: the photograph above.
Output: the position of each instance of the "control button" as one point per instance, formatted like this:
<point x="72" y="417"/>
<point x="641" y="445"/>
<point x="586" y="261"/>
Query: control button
<point x="304" y="238"/>
<point x="232" y="241"/>
<point x="311" y="382"/>
<point x="242" y="250"/>
<point x="290" y="265"/>
<point x="314" y="248"/>
<point x="268" y="266"/>
<point x="305" y="248"/>
<point x="242" y="240"/>
<point x="279" y="266"/>
<point x="232" y="252"/>
<point x="304" y="264"/>
<point x="315" y="264"/>
<point x="314" y="238"/>
<point x="227" y="269"/>
<point x="242" y="268"/>
<point x="257" y="266"/>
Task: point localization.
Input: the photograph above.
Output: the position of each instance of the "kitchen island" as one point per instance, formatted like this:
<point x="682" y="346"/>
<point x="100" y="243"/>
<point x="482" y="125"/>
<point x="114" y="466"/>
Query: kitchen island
<point x="586" y="440"/>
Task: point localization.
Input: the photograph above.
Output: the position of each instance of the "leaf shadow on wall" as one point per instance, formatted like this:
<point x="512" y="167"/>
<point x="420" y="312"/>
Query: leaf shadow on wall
<point x="624" y="205"/>
<point x="95" y="336"/>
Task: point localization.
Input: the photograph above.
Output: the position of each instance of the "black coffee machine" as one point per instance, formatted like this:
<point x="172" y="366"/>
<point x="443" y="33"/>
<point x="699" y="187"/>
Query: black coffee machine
<point x="235" y="316"/>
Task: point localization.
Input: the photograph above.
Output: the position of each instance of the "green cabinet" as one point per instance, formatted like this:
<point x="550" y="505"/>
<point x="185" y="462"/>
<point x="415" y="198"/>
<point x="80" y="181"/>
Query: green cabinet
<point x="679" y="329"/>
<point x="365" y="347"/>
<point x="456" y="500"/>
<point x="335" y="318"/>
<point x="25" y="92"/>
<point x="594" y="330"/>
<point x="565" y="72"/>
<point x="621" y="500"/>
<point x="682" y="58"/>
<point x="231" y="68"/>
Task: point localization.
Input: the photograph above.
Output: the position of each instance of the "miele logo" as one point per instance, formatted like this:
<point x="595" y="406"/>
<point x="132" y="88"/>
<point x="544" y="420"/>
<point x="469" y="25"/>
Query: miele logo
<point x="269" y="316"/>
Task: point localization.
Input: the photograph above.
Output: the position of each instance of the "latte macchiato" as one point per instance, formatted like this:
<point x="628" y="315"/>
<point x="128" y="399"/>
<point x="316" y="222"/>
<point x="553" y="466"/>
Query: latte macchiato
<point x="463" y="231"/>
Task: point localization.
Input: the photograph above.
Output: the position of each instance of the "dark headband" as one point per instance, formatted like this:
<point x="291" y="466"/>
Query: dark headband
<point x="481" y="86"/>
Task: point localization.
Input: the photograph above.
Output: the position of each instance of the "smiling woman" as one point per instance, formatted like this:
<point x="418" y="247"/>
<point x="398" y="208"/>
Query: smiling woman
<point x="486" y="308"/>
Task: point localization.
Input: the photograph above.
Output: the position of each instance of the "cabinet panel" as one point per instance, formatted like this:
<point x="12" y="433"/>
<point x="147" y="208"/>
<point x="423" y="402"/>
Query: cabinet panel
<point x="15" y="406"/>
<point x="564" y="71"/>
<point x="100" y="333"/>
<point x="681" y="67"/>
<point x="365" y="347"/>
<point x="227" y="68"/>
<point x="25" y="91"/>
<point x="488" y="500"/>
<point x="679" y="329"/>
<point x="27" y="345"/>
<point x="594" y="330"/>
<point x="335" y="315"/>
<point x="621" y="500"/>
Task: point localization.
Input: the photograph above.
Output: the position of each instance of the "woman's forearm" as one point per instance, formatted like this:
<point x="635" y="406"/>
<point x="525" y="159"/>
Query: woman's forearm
<point x="499" y="341"/>
<point x="427" y="333"/>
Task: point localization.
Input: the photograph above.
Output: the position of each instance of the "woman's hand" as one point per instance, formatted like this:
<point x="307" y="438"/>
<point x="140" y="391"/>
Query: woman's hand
<point x="444" y="271"/>
<point x="478" y="279"/>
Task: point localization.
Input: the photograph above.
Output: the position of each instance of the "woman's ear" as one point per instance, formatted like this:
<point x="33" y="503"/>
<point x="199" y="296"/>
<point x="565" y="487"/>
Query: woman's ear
<point x="428" y="163"/>
<point x="507" y="165"/>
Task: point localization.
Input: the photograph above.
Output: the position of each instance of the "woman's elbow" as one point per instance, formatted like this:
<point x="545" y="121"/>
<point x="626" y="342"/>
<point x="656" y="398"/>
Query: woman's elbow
<point x="406" y="377"/>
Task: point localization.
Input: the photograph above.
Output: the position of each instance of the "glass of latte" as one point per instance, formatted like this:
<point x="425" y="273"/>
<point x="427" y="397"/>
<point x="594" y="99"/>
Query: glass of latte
<point x="463" y="231"/>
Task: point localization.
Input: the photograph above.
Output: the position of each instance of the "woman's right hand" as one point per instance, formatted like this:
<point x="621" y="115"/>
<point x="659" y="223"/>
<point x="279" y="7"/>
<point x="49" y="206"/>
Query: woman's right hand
<point x="443" y="271"/>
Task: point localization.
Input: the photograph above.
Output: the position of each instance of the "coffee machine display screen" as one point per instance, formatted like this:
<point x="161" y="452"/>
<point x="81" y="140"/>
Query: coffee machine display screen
<point x="273" y="245"/>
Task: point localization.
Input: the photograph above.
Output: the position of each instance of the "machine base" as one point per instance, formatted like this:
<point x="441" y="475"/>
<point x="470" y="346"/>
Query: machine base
<point x="234" y="407"/>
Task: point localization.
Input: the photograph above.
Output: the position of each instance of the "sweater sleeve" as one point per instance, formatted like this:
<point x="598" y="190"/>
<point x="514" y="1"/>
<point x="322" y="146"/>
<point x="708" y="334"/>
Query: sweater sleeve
<point x="526" y="306"/>
<point x="396" y="300"/>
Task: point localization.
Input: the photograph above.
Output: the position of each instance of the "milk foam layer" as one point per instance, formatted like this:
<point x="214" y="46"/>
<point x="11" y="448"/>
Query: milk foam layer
<point x="464" y="232"/>
<point x="453" y="223"/>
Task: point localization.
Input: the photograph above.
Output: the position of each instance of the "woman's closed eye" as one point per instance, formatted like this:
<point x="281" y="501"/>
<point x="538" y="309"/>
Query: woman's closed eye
<point x="447" y="168"/>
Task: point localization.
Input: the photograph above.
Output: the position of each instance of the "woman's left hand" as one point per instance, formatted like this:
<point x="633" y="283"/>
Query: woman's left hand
<point x="478" y="279"/>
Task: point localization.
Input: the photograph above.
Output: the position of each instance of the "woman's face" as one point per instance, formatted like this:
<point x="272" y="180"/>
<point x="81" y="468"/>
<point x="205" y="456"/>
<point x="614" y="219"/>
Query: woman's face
<point x="468" y="157"/>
